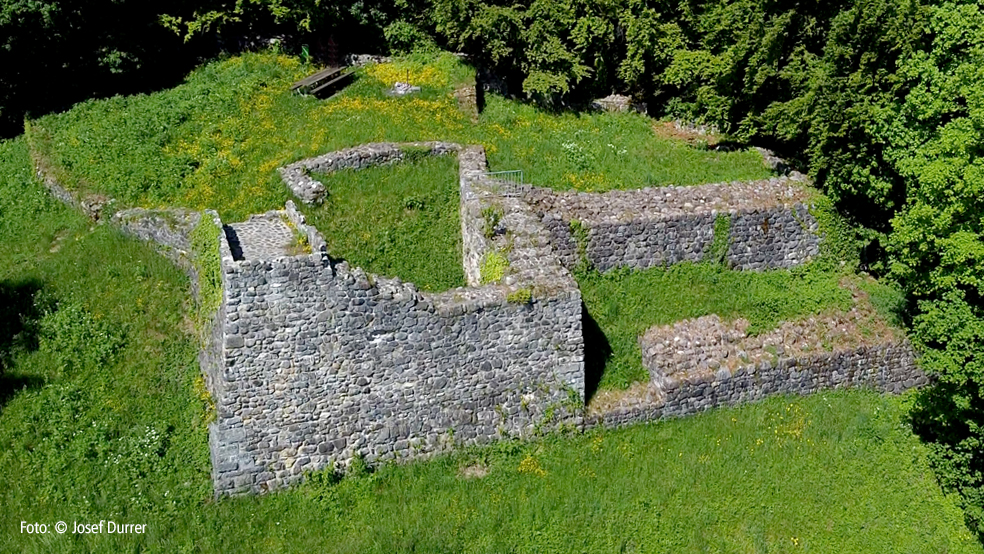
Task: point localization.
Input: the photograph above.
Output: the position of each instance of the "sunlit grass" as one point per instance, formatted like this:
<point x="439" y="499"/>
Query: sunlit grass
<point x="216" y="141"/>
<point x="126" y="441"/>
<point x="399" y="220"/>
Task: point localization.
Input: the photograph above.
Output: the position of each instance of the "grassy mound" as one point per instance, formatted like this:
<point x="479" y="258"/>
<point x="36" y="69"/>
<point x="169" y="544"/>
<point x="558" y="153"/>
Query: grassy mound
<point x="215" y="141"/>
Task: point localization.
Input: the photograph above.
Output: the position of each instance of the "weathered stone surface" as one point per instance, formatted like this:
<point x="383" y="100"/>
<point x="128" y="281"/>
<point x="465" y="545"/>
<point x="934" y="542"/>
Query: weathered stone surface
<point x="702" y="363"/>
<point x="323" y="359"/>
<point x="618" y="103"/>
<point x="770" y="225"/>
<point x="170" y="230"/>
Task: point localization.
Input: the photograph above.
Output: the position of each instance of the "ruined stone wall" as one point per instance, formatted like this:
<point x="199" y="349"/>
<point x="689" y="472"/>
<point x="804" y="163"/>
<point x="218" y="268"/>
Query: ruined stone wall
<point x="768" y="225"/>
<point x="312" y="363"/>
<point x="168" y="230"/>
<point x="703" y="363"/>
<point x="298" y="179"/>
<point x="322" y="362"/>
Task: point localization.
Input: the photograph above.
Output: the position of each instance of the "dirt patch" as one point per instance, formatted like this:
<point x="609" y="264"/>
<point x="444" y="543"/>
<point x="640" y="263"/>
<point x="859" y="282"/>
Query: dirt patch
<point x="696" y="138"/>
<point x="473" y="471"/>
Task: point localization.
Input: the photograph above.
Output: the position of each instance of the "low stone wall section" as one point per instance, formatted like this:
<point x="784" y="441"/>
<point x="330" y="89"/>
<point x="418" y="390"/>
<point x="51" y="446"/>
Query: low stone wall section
<point x="170" y="230"/>
<point x="769" y="225"/>
<point x="703" y="363"/>
<point x="310" y="191"/>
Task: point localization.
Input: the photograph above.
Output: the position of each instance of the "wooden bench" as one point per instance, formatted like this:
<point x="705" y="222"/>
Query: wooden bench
<point x="312" y="80"/>
<point x="324" y="89"/>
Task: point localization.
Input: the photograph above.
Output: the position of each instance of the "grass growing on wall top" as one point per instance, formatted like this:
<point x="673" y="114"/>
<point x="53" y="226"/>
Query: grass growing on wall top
<point x="397" y="220"/>
<point x="624" y="303"/>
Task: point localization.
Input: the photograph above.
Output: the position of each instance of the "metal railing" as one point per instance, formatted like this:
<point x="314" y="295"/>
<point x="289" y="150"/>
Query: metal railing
<point x="512" y="175"/>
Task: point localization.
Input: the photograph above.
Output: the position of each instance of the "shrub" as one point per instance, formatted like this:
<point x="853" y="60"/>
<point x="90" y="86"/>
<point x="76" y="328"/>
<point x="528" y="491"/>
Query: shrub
<point x="491" y="216"/>
<point x="718" y="251"/>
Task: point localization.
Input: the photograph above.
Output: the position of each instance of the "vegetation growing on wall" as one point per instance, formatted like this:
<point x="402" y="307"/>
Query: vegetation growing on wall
<point x="494" y="266"/>
<point x="208" y="266"/>
<point x="718" y="250"/>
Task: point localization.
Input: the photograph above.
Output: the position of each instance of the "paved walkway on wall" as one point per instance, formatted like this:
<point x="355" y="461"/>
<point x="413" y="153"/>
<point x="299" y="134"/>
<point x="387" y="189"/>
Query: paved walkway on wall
<point x="263" y="237"/>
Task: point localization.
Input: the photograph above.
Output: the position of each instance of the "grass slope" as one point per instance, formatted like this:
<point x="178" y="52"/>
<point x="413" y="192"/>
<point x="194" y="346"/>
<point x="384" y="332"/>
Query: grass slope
<point x="216" y="140"/>
<point x="99" y="414"/>
<point x="113" y="427"/>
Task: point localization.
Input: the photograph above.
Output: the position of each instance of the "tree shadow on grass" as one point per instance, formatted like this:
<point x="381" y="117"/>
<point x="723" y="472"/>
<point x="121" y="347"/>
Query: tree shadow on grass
<point x="19" y="314"/>
<point x="597" y="350"/>
<point x="946" y="416"/>
<point x="11" y="385"/>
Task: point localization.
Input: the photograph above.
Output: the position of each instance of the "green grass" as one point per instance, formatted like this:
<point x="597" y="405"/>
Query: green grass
<point x="600" y="152"/>
<point x="215" y="141"/>
<point x="113" y="427"/>
<point x="102" y="408"/>
<point x="399" y="220"/>
<point x="832" y="473"/>
<point x="98" y="412"/>
<point x="624" y="303"/>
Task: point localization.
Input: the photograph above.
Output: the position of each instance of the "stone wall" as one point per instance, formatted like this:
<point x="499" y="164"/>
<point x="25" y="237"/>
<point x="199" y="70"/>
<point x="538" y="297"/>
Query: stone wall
<point x="703" y="363"/>
<point x="769" y="225"/>
<point x="168" y="230"/>
<point x="311" y="191"/>
<point x="322" y="362"/>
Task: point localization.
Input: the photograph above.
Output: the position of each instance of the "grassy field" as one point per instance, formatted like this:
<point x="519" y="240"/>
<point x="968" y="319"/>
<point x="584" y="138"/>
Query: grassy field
<point x="216" y="140"/>
<point x="101" y="417"/>
<point x="397" y="220"/>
